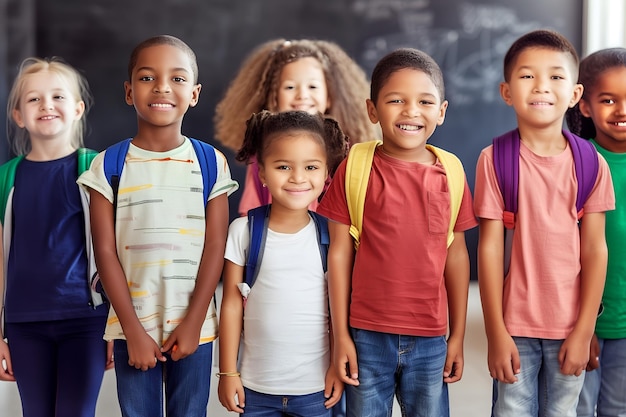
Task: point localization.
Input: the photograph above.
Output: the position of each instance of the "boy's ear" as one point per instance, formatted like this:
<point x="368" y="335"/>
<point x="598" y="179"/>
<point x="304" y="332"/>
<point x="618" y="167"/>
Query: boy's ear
<point x="577" y="95"/>
<point x="17" y="118"/>
<point x="128" y="92"/>
<point x="442" y="112"/>
<point x="371" y="111"/>
<point x="195" y="95"/>
<point x="583" y="106"/>
<point x="505" y="93"/>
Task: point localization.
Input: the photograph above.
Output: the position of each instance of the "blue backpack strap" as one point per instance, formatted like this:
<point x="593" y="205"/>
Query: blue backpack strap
<point x="323" y="237"/>
<point x="114" y="158"/>
<point x="258" y="219"/>
<point x="586" y="164"/>
<point x="208" y="166"/>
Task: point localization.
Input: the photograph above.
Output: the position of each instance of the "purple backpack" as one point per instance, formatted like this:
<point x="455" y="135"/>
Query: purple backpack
<point x="506" y="163"/>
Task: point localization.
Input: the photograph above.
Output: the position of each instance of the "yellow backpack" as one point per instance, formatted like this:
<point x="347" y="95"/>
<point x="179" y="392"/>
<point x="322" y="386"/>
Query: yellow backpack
<point x="358" y="169"/>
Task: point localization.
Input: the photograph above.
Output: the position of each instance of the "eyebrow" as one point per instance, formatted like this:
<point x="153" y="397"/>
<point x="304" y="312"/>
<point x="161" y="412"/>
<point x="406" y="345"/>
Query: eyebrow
<point x="177" y="69"/>
<point x="530" y="67"/>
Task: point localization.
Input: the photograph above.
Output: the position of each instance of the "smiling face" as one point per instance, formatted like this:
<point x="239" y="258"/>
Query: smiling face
<point x="162" y="87"/>
<point x="302" y="86"/>
<point x="294" y="169"/>
<point x="47" y="108"/>
<point x="605" y="104"/>
<point x="408" y="109"/>
<point x="542" y="86"/>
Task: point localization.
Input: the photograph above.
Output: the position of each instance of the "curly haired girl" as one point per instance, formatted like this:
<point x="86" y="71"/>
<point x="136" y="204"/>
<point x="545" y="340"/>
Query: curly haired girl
<point x="280" y="75"/>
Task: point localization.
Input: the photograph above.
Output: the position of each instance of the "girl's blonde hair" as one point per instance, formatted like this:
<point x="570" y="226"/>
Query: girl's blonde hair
<point x="19" y="138"/>
<point x="255" y="88"/>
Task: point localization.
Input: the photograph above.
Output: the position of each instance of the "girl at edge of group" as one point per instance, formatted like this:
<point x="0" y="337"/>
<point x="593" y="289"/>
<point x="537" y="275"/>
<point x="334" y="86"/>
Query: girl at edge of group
<point x="600" y="116"/>
<point x="54" y="321"/>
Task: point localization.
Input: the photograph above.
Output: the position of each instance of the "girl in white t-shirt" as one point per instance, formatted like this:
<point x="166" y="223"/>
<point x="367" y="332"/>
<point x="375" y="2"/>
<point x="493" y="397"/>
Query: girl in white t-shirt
<point x="282" y="342"/>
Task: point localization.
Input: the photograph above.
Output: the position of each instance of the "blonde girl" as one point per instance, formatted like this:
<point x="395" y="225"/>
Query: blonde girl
<point x="281" y="75"/>
<point x="54" y="319"/>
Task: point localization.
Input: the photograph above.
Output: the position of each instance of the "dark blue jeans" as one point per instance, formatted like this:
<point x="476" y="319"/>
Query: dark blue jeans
<point x="58" y="365"/>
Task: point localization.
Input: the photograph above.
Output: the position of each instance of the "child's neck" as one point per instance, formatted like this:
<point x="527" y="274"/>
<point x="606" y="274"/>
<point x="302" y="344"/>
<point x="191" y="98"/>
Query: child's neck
<point x="544" y="142"/>
<point x="284" y="220"/>
<point x="48" y="151"/>
<point x="158" y="138"/>
<point x="160" y="142"/>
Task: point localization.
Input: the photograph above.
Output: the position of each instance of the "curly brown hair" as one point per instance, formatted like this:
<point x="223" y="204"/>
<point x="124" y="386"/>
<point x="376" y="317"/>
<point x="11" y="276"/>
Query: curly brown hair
<point x="255" y="88"/>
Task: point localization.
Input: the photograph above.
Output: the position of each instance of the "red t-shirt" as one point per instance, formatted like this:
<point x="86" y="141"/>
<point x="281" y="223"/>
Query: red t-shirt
<point x="397" y="283"/>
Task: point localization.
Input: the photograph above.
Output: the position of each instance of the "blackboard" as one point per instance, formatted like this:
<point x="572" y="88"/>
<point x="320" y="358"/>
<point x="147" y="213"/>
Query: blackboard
<point x="467" y="38"/>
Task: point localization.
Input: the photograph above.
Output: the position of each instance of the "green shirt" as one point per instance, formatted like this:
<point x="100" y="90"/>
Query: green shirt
<point x="611" y="323"/>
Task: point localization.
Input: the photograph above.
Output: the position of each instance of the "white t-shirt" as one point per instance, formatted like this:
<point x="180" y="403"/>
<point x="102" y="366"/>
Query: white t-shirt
<point x="160" y="230"/>
<point x="286" y="321"/>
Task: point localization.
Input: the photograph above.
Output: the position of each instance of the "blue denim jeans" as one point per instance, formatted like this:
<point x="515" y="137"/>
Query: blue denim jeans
<point x="187" y="384"/>
<point x="540" y="381"/>
<point x="408" y="366"/>
<point x="606" y="386"/>
<point x="267" y="405"/>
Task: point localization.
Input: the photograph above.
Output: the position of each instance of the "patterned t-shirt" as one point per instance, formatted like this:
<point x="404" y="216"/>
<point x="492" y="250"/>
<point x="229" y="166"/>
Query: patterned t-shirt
<point x="160" y="228"/>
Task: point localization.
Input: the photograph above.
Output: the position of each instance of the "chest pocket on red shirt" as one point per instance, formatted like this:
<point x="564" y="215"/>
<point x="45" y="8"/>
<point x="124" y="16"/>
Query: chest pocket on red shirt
<point x="438" y="212"/>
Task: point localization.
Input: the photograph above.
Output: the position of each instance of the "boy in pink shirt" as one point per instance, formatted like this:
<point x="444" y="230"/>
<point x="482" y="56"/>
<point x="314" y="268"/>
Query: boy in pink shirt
<point x="540" y="318"/>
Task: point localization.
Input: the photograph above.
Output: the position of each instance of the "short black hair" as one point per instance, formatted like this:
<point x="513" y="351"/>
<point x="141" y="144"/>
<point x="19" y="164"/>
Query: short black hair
<point x="405" y="58"/>
<point x="542" y="38"/>
<point x="164" y="40"/>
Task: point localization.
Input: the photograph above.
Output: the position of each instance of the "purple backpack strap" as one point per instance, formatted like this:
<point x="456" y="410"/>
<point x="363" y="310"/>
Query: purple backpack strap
<point x="586" y="165"/>
<point x="506" y="165"/>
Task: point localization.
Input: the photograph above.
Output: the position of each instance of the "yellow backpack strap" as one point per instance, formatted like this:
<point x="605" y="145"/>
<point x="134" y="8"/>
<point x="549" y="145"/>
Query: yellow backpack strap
<point x="358" y="169"/>
<point x="456" y="184"/>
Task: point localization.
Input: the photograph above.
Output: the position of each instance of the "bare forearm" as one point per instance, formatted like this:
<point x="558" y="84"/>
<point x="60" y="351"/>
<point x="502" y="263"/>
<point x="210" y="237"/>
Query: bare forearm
<point x="457" y="285"/>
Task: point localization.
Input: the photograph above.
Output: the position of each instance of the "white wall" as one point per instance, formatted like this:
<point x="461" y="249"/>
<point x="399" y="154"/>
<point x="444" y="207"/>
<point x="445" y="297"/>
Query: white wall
<point x="604" y="24"/>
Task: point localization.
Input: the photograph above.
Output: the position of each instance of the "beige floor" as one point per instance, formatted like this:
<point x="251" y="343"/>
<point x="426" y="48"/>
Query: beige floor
<point x="470" y="397"/>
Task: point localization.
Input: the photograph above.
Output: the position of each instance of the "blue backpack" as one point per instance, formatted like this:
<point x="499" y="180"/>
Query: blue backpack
<point x="258" y="219"/>
<point x="506" y="164"/>
<point x="115" y="156"/>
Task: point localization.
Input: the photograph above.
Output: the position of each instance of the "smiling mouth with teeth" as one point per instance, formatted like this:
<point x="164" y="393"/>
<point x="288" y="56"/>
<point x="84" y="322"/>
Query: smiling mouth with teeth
<point x="163" y="105"/>
<point x="409" y="127"/>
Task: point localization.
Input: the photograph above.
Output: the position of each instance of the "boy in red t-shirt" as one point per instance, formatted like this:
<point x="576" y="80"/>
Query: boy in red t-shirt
<point x="390" y="302"/>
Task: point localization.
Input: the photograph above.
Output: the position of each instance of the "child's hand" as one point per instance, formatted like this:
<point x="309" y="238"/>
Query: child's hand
<point x="333" y="387"/>
<point x="345" y="361"/>
<point x="594" y="354"/>
<point x="110" y="363"/>
<point x="230" y="393"/>
<point x="503" y="358"/>
<point x="453" y="369"/>
<point x="6" y="369"/>
<point x="574" y="354"/>
<point x="182" y="342"/>
<point x="143" y="352"/>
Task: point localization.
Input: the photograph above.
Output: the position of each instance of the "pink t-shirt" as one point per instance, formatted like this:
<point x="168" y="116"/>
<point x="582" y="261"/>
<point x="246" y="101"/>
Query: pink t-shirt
<point x="542" y="291"/>
<point x="397" y="282"/>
